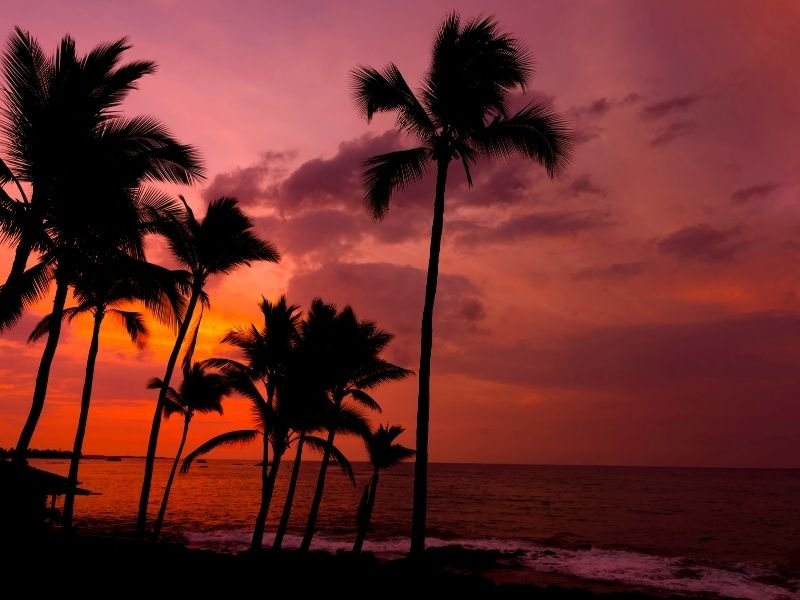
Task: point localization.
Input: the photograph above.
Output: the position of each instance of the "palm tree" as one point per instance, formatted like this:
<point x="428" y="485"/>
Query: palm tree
<point x="461" y="113"/>
<point x="266" y="352"/>
<point x="346" y="352"/>
<point x="65" y="140"/>
<point x="200" y="392"/>
<point x="217" y="245"/>
<point x="383" y="454"/>
<point x="99" y="288"/>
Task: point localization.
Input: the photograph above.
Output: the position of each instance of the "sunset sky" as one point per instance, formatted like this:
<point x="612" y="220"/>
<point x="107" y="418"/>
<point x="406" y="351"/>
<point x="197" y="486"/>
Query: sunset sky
<point x="642" y="309"/>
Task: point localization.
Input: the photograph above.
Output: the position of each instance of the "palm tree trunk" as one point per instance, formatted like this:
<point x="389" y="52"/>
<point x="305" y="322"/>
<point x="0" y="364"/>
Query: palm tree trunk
<point x="43" y="375"/>
<point x="155" y="427"/>
<point x="267" y="486"/>
<point x="21" y="255"/>
<point x="369" y="503"/>
<point x="315" y="504"/>
<point x="426" y="347"/>
<point x="162" y="511"/>
<point x="287" y="506"/>
<point x="80" y="433"/>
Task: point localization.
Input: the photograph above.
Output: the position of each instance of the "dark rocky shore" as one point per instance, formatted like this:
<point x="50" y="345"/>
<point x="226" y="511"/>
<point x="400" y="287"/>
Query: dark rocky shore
<point x="94" y="565"/>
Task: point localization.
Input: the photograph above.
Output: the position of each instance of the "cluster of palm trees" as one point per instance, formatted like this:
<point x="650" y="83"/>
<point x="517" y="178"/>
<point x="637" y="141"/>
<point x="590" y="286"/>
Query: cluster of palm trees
<point x="77" y="204"/>
<point x="302" y="377"/>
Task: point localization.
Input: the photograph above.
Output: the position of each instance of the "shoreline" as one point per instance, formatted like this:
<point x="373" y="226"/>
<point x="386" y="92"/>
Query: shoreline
<point x="118" y="560"/>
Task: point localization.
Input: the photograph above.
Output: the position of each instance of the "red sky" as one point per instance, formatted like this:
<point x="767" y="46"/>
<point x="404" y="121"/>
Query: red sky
<point x="642" y="309"/>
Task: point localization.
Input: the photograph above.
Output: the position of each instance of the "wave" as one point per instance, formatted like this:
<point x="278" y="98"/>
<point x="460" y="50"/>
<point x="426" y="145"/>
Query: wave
<point x="670" y="574"/>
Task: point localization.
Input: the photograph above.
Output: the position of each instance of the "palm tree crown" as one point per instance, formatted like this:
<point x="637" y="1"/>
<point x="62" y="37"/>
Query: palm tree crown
<point x="461" y="111"/>
<point x="383" y="452"/>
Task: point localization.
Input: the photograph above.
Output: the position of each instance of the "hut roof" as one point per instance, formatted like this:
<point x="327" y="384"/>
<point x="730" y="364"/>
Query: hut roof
<point x="31" y="478"/>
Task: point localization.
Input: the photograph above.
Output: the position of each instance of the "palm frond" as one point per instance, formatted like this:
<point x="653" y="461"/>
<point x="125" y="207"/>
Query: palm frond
<point x="387" y="173"/>
<point x="43" y="326"/>
<point x="21" y="293"/>
<point x="232" y="438"/>
<point x="376" y="91"/>
<point x="337" y="457"/>
<point x="364" y="399"/>
<point x="134" y="325"/>
<point x="537" y="131"/>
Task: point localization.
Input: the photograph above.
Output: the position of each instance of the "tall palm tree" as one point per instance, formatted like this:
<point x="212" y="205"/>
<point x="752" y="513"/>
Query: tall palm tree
<point x="100" y="288"/>
<point x="346" y="352"/>
<point x="201" y="391"/>
<point x="383" y="454"/>
<point x="461" y="113"/>
<point x="216" y="245"/>
<point x="266" y="351"/>
<point x="63" y="138"/>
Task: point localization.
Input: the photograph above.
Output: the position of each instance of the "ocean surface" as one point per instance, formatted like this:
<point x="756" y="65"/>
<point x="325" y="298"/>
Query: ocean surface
<point x="732" y="532"/>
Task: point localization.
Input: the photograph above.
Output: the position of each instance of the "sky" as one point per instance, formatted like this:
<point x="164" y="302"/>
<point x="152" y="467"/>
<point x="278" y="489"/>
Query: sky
<point x="641" y="309"/>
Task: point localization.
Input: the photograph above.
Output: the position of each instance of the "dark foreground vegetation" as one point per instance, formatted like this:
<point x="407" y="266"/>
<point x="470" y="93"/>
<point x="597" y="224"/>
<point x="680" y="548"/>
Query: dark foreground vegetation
<point x="125" y="565"/>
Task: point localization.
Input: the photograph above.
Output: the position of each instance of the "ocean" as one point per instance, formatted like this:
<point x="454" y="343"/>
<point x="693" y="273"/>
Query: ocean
<point x="732" y="532"/>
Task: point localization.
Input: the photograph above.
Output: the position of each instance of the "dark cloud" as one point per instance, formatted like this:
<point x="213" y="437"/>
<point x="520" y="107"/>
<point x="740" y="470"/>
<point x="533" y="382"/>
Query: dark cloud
<point x="702" y="243"/>
<point x="325" y="181"/>
<point x="723" y="358"/>
<point x="670" y="106"/>
<point x="583" y="184"/>
<point x="667" y="134"/>
<point x="392" y="296"/>
<point x="612" y="271"/>
<point x="543" y="224"/>
<point x="585" y="117"/>
<point x="596" y="108"/>
<point x="760" y="191"/>
<point x="251" y="185"/>
<point x="328" y="232"/>
<point x="599" y="107"/>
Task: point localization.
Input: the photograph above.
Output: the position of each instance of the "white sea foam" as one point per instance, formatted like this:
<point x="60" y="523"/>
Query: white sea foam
<point x="672" y="574"/>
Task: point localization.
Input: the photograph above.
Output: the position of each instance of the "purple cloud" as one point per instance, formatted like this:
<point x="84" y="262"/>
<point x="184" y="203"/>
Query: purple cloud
<point x="543" y="224"/>
<point x="584" y="185"/>
<point x="612" y="271"/>
<point x="702" y="243"/>
<point x="760" y="191"/>
<point x="667" y="134"/>
<point x="678" y="104"/>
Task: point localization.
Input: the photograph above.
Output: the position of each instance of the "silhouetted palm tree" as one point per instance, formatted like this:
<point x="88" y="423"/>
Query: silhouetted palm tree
<point x="346" y="353"/>
<point x="217" y="245"/>
<point x="200" y="392"/>
<point x="99" y="288"/>
<point x="63" y="137"/>
<point x="383" y="454"/>
<point x="266" y="351"/>
<point x="460" y="114"/>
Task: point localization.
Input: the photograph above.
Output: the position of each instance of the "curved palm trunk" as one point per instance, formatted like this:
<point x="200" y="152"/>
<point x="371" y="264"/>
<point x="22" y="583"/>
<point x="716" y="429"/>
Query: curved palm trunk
<point x="155" y="427"/>
<point x="287" y="506"/>
<point x="43" y="375"/>
<point x="162" y="511"/>
<point x="267" y="487"/>
<point x="368" y="503"/>
<point x="426" y="347"/>
<point x="80" y="433"/>
<point x="21" y="255"/>
<point x="315" y="504"/>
